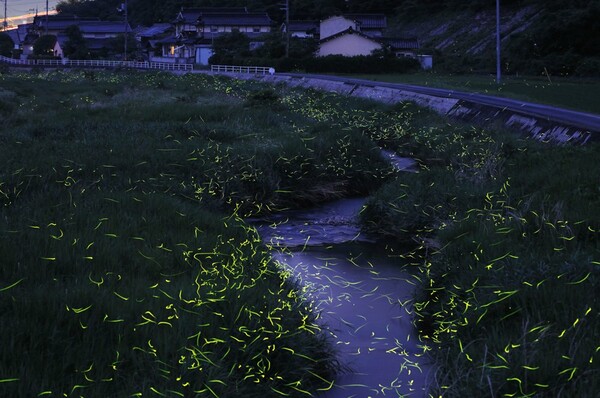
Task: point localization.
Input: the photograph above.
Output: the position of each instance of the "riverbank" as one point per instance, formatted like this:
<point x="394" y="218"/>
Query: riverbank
<point x="508" y="253"/>
<point x="130" y="270"/>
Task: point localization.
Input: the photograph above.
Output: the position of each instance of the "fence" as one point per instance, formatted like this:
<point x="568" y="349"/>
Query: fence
<point x="88" y="63"/>
<point x="258" y="70"/>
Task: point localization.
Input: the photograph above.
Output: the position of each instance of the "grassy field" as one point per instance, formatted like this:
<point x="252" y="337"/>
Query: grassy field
<point x="570" y="93"/>
<point x="128" y="270"/>
<point x="508" y="253"/>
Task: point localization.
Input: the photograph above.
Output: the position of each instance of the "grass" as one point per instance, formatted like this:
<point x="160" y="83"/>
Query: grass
<point x="127" y="269"/>
<point x="570" y="93"/>
<point x="506" y="243"/>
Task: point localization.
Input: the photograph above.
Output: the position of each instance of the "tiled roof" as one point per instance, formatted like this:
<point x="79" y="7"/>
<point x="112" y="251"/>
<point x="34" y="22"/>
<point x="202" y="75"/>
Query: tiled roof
<point x="348" y="31"/>
<point x="249" y="19"/>
<point x="369" y="21"/>
<point x="154" y="30"/>
<point x="223" y="16"/>
<point x="14" y="35"/>
<point x="400" y="43"/>
<point x="303" y="26"/>
<point x="393" y="42"/>
<point x="103" y="27"/>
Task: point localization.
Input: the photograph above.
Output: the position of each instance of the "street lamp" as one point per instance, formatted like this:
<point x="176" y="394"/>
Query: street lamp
<point x="498" y="68"/>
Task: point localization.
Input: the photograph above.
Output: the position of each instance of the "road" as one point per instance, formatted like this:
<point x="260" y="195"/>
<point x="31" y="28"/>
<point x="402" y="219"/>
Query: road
<point x="582" y="120"/>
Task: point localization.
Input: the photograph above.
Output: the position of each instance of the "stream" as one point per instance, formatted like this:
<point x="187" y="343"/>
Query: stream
<point x="363" y="296"/>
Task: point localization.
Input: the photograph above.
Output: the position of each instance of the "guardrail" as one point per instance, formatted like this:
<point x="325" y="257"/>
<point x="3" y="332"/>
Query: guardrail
<point x="257" y="70"/>
<point x="90" y="63"/>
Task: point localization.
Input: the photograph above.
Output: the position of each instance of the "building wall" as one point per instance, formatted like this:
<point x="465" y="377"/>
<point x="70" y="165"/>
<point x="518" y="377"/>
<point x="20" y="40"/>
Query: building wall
<point x="333" y="25"/>
<point x="348" y="45"/>
<point x="203" y="54"/>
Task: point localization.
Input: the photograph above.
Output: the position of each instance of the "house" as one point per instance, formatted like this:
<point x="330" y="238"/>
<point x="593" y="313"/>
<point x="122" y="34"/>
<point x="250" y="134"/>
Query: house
<point x="196" y="29"/>
<point x="149" y="37"/>
<point x="361" y="34"/>
<point x="302" y="29"/>
<point x="349" y="43"/>
<point x="372" y="25"/>
<point x="97" y="34"/>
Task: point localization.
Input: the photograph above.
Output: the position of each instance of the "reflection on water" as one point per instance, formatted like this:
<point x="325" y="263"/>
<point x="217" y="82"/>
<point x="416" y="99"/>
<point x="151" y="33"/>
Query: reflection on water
<point x="363" y="295"/>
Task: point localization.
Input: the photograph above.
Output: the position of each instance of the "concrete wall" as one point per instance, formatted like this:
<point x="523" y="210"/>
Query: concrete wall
<point x="535" y="127"/>
<point x="348" y="45"/>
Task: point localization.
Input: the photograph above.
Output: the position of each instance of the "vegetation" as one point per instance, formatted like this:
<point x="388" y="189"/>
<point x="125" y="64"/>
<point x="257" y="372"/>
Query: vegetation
<point x="6" y="45"/>
<point x="581" y="94"/>
<point x="506" y="239"/>
<point x="127" y="269"/>
<point x="75" y="46"/>
<point x="44" y="46"/>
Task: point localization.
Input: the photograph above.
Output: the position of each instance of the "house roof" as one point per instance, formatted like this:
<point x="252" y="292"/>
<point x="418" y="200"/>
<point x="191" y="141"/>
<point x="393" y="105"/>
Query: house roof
<point x="369" y="21"/>
<point x="223" y="16"/>
<point x="248" y="19"/>
<point x="394" y="43"/>
<point x="349" y="31"/>
<point x="398" y="43"/>
<point x="302" y="26"/>
<point x="14" y="35"/>
<point x="154" y="30"/>
<point x="60" y="21"/>
<point x="103" y="27"/>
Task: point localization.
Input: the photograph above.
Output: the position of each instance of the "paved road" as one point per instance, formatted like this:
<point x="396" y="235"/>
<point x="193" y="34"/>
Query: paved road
<point x="583" y="120"/>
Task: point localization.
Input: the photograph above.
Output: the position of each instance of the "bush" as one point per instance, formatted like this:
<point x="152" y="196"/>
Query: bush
<point x="589" y="67"/>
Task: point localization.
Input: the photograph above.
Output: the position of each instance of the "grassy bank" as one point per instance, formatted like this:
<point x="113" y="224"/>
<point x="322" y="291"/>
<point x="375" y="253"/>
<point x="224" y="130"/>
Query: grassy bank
<point x="508" y="254"/>
<point x="572" y="93"/>
<point x="126" y="267"/>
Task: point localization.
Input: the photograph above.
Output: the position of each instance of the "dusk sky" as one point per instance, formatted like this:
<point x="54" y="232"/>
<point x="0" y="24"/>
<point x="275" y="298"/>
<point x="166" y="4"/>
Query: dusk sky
<point x="20" y="7"/>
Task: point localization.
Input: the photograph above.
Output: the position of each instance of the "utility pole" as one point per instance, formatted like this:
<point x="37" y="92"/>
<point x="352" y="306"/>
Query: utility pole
<point x="287" y="27"/>
<point x="46" y="17"/>
<point x="126" y="28"/>
<point x="123" y="8"/>
<point x="5" y="24"/>
<point x="498" y="66"/>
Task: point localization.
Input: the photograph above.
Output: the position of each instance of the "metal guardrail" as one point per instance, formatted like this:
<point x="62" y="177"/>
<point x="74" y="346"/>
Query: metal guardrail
<point x="257" y="70"/>
<point x="89" y="63"/>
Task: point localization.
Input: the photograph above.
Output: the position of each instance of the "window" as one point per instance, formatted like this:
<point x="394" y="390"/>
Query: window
<point x="256" y="30"/>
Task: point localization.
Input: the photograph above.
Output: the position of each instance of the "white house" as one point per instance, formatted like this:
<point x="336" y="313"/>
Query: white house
<point x="196" y="28"/>
<point x="360" y="34"/>
<point x="348" y="43"/>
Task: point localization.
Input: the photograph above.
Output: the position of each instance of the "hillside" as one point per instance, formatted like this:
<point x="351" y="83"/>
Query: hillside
<point x="537" y="38"/>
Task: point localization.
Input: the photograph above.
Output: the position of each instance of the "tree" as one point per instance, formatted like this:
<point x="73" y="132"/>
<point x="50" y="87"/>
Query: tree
<point x="75" y="46"/>
<point x="44" y="46"/>
<point x="6" y="45"/>
<point x="231" y="45"/>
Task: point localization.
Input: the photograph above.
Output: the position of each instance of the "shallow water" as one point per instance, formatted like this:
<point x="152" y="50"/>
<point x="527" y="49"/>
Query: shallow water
<point x="363" y="295"/>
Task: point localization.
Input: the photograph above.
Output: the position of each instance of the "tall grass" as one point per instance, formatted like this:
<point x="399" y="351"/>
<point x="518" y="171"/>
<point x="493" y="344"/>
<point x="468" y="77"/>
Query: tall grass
<point x="127" y="269"/>
<point x="506" y="244"/>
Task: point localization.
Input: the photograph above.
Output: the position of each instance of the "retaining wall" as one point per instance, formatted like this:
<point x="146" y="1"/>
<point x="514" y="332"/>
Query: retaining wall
<point x="535" y="127"/>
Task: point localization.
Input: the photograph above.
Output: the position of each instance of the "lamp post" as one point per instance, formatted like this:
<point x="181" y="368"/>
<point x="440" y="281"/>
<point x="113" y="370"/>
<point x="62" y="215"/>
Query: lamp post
<point x="498" y="67"/>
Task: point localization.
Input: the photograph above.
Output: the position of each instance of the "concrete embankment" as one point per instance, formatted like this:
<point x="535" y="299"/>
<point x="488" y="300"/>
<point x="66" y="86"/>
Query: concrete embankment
<point x="538" y="127"/>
